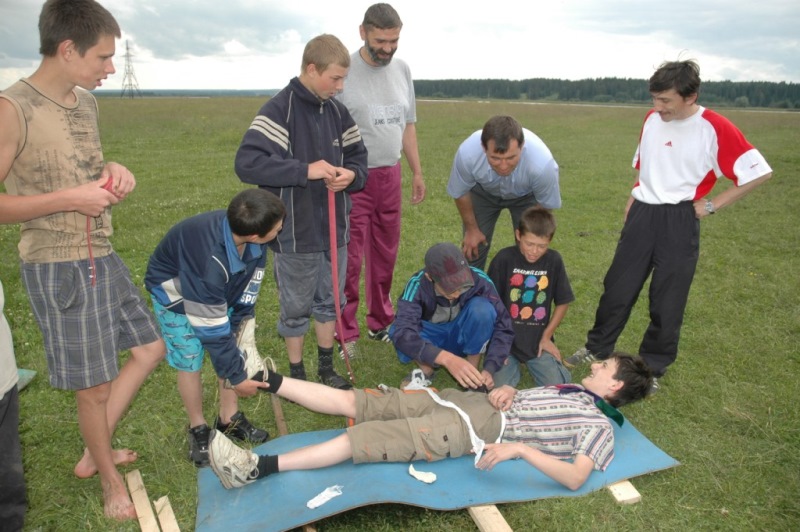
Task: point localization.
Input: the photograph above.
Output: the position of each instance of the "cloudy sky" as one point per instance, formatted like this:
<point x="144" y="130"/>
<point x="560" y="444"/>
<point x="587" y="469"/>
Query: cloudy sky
<point x="257" y="44"/>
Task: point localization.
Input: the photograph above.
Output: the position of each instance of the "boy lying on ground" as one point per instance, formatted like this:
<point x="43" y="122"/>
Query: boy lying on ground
<point x="545" y="426"/>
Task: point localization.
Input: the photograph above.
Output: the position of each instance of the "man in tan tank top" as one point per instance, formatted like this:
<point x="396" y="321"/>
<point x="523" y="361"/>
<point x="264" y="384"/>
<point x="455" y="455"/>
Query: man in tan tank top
<point x="60" y="189"/>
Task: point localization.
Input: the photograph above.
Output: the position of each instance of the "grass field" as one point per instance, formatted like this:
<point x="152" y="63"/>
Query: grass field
<point x="727" y="409"/>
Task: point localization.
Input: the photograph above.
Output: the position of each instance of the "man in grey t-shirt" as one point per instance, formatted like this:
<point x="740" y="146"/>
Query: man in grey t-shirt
<point x="379" y="94"/>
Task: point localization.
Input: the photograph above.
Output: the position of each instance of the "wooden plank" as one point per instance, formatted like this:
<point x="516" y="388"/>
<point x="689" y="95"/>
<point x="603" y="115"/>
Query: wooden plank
<point x="624" y="492"/>
<point x="488" y="518"/>
<point x="166" y="517"/>
<point x="144" y="511"/>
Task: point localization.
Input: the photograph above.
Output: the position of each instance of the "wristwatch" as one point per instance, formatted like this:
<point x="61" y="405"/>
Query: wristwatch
<point x="710" y="207"/>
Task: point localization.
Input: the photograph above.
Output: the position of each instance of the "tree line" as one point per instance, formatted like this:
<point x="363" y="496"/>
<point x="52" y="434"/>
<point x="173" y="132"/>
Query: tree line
<point x="780" y="95"/>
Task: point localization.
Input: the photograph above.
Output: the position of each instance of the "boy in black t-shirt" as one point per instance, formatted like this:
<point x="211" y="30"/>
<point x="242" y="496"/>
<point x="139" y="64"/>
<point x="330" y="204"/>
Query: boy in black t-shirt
<point x="531" y="278"/>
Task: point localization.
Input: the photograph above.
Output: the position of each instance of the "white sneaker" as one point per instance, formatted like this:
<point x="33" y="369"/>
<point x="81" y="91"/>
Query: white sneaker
<point x="235" y="467"/>
<point x="417" y="380"/>
<point x="246" y="342"/>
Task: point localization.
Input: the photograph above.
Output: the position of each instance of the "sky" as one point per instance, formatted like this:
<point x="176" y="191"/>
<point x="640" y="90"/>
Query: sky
<point x="258" y="44"/>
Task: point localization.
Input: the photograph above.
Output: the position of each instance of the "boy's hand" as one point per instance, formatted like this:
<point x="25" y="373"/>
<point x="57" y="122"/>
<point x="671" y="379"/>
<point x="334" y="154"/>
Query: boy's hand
<point x="494" y="453"/>
<point x="502" y="397"/>
<point x="248" y="388"/>
<point x="342" y="180"/>
<point x="91" y="199"/>
<point x="321" y="170"/>
<point x="118" y="180"/>
<point x="549" y="347"/>
<point x="462" y="371"/>
<point x="488" y="380"/>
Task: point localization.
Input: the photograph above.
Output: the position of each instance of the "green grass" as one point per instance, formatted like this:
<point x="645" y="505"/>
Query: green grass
<point x="728" y="407"/>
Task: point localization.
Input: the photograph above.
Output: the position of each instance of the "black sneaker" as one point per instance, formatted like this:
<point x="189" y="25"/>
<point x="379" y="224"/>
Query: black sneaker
<point x="334" y="380"/>
<point x="298" y="373"/>
<point x="198" y="445"/>
<point x="241" y="429"/>
<point x="381" y="335"/>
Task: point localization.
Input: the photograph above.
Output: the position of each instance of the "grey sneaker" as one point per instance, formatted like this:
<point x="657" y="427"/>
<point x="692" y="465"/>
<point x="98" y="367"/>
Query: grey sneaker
<point x="381" y="335"/>
<point x="235" y="467"/>
<point x="655" y="386"/>
<point x="352" y="350"/>
<point x="581" y="356"/>
<point x="198" y="444"/>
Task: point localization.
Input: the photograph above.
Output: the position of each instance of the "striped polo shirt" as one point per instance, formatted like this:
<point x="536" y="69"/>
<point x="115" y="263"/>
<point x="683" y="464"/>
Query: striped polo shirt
<point x="560" y="425"/>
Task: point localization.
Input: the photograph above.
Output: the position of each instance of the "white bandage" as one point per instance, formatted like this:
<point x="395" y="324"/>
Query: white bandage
<point x="325" y="496"/>
<point x="423" y="476"/>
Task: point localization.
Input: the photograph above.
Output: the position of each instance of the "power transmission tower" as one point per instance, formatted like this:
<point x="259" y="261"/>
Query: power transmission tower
<point x="130" y="87"/>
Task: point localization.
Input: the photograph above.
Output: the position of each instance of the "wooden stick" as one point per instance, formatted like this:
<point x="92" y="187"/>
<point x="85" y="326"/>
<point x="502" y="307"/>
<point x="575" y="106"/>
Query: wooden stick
<point x="144" y="511"/>
<point x="280" y="420"/>
<point x="166" y="517"/>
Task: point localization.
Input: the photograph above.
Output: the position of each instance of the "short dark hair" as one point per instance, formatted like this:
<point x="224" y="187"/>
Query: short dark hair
<point x="683" y="76"/>
<point x="635" y="376"/>
<point x="80" y="21"/>
<point x="254" y="211"/>
<point x="502" y="130"/>
<point x="538" y="221"/>
<point x="382" y="17"/>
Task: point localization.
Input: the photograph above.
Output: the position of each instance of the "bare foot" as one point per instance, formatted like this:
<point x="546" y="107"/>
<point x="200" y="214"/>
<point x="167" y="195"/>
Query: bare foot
<point x="86" y="467"/>
<point x="118" y="504"/>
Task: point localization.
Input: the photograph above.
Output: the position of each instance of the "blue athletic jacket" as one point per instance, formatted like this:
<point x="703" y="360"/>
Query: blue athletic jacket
<point x="418" y="303"/>
<point x="196" y="270"/>
<point x="293" y="129"/>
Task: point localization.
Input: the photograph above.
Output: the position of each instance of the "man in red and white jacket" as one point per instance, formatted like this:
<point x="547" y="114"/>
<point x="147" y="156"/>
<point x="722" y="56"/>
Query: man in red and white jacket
<point x="683" y="149"/>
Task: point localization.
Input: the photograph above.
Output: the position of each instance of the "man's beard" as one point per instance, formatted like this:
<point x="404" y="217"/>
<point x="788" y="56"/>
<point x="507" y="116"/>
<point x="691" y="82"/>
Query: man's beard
<point x="373" y="55"/>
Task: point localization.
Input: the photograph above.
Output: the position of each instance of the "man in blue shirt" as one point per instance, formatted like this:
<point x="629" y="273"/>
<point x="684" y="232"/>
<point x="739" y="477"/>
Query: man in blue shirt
<point x="503" y="166"/>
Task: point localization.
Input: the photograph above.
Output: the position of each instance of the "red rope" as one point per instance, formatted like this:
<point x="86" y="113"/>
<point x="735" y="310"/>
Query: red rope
<point x="335" y="279"/>
<point x="109" y="185"/>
